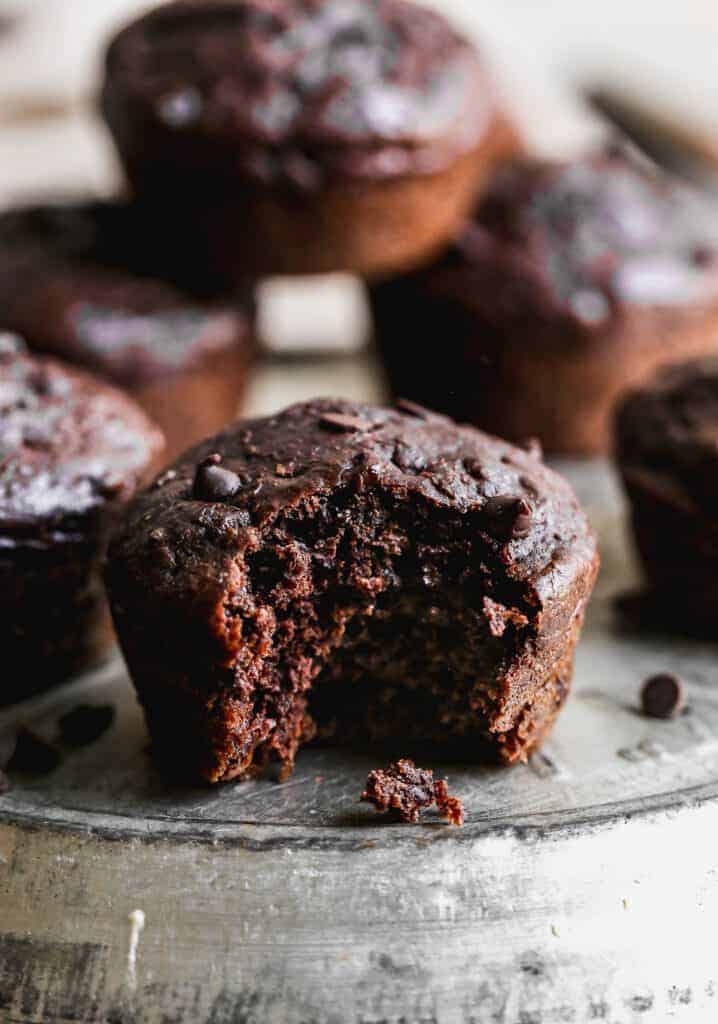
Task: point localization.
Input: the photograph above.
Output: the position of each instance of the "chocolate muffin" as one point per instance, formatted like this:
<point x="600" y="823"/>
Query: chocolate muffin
<point x="572" y="282"/>
<point x="305" y="136"/>
<point x="72" y="451"/>
<point x="667" y="453"/>
<point x="353" y="572"/>
<point x="79" y="281"/>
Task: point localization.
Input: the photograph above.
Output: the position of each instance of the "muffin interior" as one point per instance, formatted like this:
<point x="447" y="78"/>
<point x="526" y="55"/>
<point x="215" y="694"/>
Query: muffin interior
<point x="367" y="618"/>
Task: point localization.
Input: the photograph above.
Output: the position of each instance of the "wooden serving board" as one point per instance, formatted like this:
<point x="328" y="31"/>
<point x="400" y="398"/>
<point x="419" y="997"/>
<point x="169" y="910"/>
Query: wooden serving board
<point x="583" y="887"/>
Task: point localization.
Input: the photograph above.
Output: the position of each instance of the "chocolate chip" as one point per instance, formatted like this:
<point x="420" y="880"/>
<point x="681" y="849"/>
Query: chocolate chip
<point x="343" y="422"/>
<point x="214" y="483"/>
<point x="662" y="696"/>
<point x="85" y="724"/>
<point x="33" y="755"/>
<point x="413" y="409"/>
<point x="511" y="515"/>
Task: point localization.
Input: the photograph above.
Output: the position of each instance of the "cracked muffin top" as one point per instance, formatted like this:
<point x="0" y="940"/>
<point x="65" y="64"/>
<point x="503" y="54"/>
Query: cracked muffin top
<point x="222" y="496"/>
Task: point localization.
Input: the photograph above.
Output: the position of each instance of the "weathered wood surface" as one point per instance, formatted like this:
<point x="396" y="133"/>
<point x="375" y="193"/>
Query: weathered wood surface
<point x="583" y="887"/>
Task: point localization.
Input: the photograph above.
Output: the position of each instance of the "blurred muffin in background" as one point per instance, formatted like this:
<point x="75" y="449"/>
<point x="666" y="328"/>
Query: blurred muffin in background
<point x="79" y="281"/>
<point x="305" y="136"/>
<point x="72" y="451"/>
<point x="571" y="283"/>
<point x="667" y="455"/>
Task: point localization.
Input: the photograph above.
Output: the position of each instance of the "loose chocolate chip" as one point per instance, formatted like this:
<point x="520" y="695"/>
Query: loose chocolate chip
<point x="413" y="409"/>
<point x="343" y="423"/>
<point x="85" y="724"/>
<point x="8" y="742"/>
<point x="33" y="755"/>
<point x="511" y="515"/>
<point x="662" y="696"/>
<point x="214" y="483"/>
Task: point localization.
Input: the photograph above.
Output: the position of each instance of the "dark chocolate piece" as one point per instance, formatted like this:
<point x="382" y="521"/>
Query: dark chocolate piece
<point x="214" y="483"/>
<point x="662" y="696"/>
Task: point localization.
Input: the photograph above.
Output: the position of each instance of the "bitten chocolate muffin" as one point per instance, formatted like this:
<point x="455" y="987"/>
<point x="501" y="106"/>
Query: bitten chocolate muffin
<point x="305" y="136"/>
<point x="572" y="282"/>
<point x="353" y="571"/>
<point x="72" y="451"/>
<point x="74" y="283"/>
<point x="667" y="453"/>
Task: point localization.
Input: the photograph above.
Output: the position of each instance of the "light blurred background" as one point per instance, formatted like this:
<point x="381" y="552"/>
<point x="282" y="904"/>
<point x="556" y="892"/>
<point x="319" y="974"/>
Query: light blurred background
<point x="546" y="50"/>
<point x="660" y="53"/>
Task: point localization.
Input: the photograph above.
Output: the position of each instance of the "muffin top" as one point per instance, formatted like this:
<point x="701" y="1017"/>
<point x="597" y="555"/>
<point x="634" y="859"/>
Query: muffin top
<point x="72" y="284"/>
<point x="68" y="444"/>
<point x="669" y="430"/>
<point x="581" y="240"/>
<point x="301" y="89"/>
<point x="218" y="498"/>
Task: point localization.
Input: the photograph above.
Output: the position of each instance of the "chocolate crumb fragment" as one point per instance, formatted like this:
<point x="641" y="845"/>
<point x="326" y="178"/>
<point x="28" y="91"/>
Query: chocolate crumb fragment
<point x="662" y="696"/>
<point x="344" y="422"/>
<point x="85" y="724"/>
<point x="499" y="617"/>
<point x="406" y="791"/>
<point x="33" y="755"/>
<point x="449" y="807"/>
